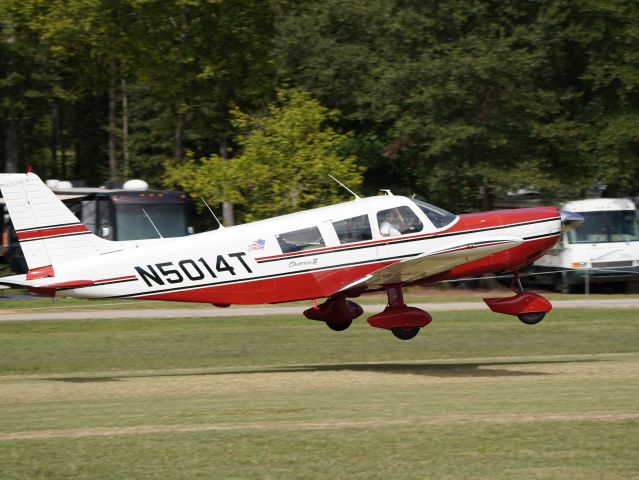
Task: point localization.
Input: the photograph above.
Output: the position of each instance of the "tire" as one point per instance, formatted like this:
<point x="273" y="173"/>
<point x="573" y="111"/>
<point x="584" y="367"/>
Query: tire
<point x="405" y="333"/>
<point x="531" y="318"/>
<point x="339" y="326"/>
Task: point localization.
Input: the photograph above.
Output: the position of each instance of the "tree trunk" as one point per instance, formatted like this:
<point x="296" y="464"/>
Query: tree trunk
<point x="125" y="130"/>
<point x="113" y="161"/>
<point x="489" y="198"/>
<point x="178" y="137"/>
<point x="228" y="210"/>
<point x="54" y="142"/>
<point x="11" y="147"/>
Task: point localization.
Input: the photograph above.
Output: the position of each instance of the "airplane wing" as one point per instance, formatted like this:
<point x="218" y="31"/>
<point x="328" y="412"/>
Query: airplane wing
<point x="436" y="261"/>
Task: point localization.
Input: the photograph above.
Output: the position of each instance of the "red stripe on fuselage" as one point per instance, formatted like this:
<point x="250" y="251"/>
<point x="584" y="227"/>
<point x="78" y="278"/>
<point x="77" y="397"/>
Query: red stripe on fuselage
<point x="274" y="290"/>
<point x="46" y="232"/>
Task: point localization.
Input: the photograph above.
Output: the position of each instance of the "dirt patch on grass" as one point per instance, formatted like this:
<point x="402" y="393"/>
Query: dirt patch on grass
<point x="325" y="424"/>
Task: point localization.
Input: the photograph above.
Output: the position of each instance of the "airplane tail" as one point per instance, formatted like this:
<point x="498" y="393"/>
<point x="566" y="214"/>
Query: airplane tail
<point x="48" y="232"/>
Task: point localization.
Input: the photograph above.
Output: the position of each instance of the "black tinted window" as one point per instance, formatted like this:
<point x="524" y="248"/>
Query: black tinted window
<point x="305" y="239"/>
<point x="353" y="229"/>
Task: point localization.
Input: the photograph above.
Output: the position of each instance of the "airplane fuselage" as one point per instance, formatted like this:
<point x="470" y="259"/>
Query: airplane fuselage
<point x="247" y="264"/>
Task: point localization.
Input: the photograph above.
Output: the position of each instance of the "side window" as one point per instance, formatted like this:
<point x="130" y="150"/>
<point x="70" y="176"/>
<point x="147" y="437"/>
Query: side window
<point x="297" y="240"/>
<point x="398" y="221"/>
<point x="353" y="229"/>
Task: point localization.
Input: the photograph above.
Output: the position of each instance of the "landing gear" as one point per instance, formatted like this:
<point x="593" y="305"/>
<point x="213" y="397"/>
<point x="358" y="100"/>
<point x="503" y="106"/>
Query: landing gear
<point x="337" y="312"/>
<point x="529" y="307"/>
<point x="403" y="321"/>
<point x="338" y="326"/>
<point x="531" y="318"/>
<point x="405" y="333"/>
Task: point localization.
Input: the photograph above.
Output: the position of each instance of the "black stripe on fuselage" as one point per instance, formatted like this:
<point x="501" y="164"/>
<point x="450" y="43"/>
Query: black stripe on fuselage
<point x="284" y="274"/>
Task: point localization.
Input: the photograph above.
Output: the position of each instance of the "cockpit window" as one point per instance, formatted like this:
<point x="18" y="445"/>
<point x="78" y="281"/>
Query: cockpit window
<point x="353" y="229"/>
<point x="438" y="216"/>
<point x="398" y="221"/>
<point x="297" y="240"/>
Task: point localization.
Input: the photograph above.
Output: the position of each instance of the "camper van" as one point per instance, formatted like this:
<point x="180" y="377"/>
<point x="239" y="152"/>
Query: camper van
<point x="605" y="249"/>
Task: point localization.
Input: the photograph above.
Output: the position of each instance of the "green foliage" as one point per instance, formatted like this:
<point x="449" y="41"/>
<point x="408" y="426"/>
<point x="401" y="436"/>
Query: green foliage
<point x="477" y="96"/>
<point x="285" y="157"/>
<point x="459" y="101"/>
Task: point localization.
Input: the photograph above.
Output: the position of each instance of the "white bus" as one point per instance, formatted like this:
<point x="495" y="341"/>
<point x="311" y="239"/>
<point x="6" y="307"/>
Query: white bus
<point x="605" y="249"/>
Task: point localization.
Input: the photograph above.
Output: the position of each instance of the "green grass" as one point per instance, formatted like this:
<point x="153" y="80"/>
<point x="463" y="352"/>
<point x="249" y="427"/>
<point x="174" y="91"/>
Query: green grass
<point x="414" y="295"/>
<point x="475" y="395"/>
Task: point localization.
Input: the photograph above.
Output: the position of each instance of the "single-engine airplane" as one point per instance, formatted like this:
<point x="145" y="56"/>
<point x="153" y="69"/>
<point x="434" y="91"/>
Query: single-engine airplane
<point x="334" y="253"/>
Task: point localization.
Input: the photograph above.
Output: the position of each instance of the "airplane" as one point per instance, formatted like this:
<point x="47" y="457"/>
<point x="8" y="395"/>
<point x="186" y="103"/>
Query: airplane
<point x="336" y="253"/>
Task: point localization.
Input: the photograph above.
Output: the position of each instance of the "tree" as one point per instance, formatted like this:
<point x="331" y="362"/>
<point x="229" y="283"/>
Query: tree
<point x="285" y="157"/>
<point x="473" y="96"/>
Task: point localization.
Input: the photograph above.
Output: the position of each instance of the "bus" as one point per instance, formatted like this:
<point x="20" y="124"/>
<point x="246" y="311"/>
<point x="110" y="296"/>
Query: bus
<point x="604" y="250"/>
<point x="115" y="214"/>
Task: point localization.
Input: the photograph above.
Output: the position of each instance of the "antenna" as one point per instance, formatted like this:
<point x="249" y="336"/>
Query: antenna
<point x="357" y="199"/>
<point x="207" y="206"/>
<point x="386" y="191"/>
<point x="156" y="228"/>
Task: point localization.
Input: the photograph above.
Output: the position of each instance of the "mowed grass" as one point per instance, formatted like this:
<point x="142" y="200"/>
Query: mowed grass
<point x="475" y="395"/>
<point x="21" y="301"/>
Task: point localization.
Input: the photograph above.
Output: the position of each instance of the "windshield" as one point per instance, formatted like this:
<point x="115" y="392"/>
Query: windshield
<point x="438" y="216"/>
<point x="132" y="224"/>
<point x="606" y="227"/>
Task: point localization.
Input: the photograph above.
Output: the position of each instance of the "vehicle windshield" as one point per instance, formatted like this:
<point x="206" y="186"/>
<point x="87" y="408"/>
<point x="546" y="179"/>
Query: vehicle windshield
<point x="606" y="227"/>
<point x="438" y="216"/>
<point x="132" y="224"/>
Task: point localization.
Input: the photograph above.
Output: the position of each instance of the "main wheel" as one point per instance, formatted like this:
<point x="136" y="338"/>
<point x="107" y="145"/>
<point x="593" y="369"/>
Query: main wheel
<point x="339" y="326"/>
<point x="405" y="333"/>
<point x="531" y="318"/>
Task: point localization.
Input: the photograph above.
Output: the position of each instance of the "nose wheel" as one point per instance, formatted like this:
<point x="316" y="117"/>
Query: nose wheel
<point x="529" y="307"/>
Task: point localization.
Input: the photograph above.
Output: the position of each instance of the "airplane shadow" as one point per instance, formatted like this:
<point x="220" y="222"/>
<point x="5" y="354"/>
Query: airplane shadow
<point x="442" y="370"/>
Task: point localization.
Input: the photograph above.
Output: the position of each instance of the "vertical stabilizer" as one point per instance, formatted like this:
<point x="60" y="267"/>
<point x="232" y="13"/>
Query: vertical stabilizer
<point x="47" y="230"/>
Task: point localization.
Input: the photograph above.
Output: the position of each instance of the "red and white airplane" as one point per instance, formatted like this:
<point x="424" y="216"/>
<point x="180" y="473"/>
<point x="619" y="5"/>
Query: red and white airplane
<point x="333" y="253"/>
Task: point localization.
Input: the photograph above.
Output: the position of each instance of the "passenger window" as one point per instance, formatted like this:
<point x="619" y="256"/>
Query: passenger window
<point x="305" y="239"/>
<point x="398" y="221"/>
<point x="353" y="229"/>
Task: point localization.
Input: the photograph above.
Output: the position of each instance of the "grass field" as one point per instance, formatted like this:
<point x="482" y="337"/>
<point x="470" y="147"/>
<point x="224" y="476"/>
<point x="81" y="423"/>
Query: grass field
<point x="31" y="303"/>
<point x="475" y="395"/>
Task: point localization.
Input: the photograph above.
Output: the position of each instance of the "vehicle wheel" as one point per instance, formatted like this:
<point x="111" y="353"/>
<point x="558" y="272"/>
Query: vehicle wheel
<point x="405" y="333"/>
<point x="531" y="318"/>
<point x="339" y="326"/>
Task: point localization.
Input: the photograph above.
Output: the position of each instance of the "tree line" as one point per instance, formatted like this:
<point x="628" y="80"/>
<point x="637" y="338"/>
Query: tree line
<point x="252" y="102"/>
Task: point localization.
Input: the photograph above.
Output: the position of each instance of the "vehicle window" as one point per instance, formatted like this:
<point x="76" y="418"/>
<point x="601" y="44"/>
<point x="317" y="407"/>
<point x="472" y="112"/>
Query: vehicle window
<point x="398" y="221"/>
<point x="353" y="229"/>
<point x="606" y="227"/>
<point x="131" y="223"/>
<point x="297" y="240"/>
<point x="438" y="216"/>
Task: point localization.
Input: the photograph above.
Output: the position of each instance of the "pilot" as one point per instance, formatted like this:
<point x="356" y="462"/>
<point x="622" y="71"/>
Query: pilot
<point x="392" y="223"/>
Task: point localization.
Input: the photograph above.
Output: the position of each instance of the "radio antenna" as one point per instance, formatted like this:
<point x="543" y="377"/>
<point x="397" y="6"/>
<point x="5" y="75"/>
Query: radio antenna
<point x="153" y="224"/>
<point x="357" y="199"/>
<point x="207" y="206"/>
